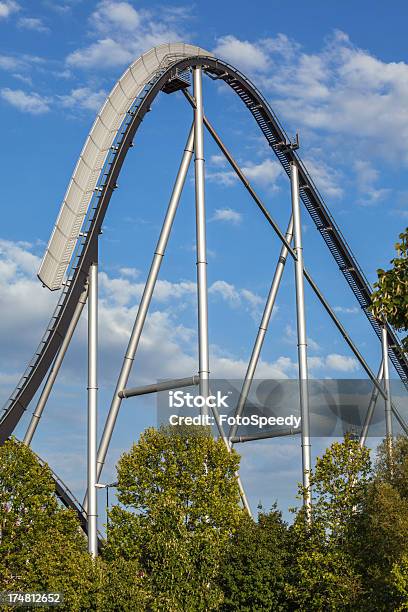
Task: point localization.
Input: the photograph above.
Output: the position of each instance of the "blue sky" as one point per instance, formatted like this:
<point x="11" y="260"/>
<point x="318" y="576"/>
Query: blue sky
<point x="338" y="74"/>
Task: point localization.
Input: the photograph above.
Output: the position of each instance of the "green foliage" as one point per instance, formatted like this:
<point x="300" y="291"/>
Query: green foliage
<point x="179" y="510"/>
<point x="41" y="546"/>
<point x="254" y="573"/>
<point x="382" y="528"/>
<point x="339" y="483"/>
<point x="399" y="579"/>
<point x="323" y="575"/>
<point x="381" y="539"/>
<point x="179" y="541"/>
<point x="390" y="298"/>
<point x="398" y="475"/>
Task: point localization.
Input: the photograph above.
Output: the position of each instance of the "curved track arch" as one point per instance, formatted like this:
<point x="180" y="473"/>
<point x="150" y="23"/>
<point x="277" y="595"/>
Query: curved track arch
<point x="112" y="134"/>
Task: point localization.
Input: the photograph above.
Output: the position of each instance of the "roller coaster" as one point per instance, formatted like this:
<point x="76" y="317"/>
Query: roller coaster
<point x="70" y="261"/>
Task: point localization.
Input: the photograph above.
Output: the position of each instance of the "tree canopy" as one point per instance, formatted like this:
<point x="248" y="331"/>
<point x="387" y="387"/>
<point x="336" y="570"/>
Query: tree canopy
<point x="390" y="297"/>
<point x="178" y="539"/>
<point x="179" y="508"/>
<point x="41" y="546"/>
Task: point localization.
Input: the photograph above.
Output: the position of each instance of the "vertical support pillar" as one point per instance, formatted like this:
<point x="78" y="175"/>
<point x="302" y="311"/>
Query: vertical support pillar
<point x="386" y="378"/>
<point x="302" y="339"/>
<point x="92" y="406"/>
<point x="203" y="352"/>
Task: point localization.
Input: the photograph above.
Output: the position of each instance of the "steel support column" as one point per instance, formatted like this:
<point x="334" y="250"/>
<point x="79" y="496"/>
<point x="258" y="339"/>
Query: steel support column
<point x="92" y="407"/>
<point x="55" y="368"/>
<point x="371" y="408"/>
<point x="266" y="317"/>
<point x="302" y="338"/>
<point x="221" y="432"/>
<point x="387" y="389"/>
<point x="203" y="353"/>
<point x="145" y="302"/>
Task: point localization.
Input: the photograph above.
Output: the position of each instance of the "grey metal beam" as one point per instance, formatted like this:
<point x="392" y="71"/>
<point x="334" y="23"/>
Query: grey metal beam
<point x="371" y="408"/>
<point x="92" y="408"/>
<point x="55" y="368"/>
<point x="221" y="432"/>
<point x="166" y="385"/>
<point x="386" y="378"/>
<point x="202" y="291"/>
<point x="267" y="313"/>
<point x="387" y="388"/>
<point x="265" y="436"/>
<point x="302" y="340"/>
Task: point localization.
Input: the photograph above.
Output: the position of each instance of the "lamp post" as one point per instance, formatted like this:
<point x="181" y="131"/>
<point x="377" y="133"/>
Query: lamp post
<point x="111" y="485"/>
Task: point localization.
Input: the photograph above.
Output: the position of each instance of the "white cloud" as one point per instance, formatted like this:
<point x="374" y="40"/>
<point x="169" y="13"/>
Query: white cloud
<point x="241" y="53"/>
<point x="226" y="178"/>
<point x="334" y="362"/>
<point x="341" y="363"/>
<point x="104" y="53"/>
<point x="7" y="62"/>
<point x="342" y="90"/>
<point x="110" y="14"/>
<point x="227" y="214"/>
<point x="7" y="7"/>
<point x="238" y="297"/>
<point x="346" y="90"/>
<point x="265" y="173"/>
<point x="84" y="97"/>
<point x="129" y="272"/>
<point x="32" y="102"/>
<point x="32" y="23"/>
<point x="226" y="291"/>
<point x="122" y="33"/>
<point x="218" y="160"/>
<point x="27" y="80"/>
<point x="366" y="179"/>
<point x="327" y="179"/>
<point x="346" y="309"/>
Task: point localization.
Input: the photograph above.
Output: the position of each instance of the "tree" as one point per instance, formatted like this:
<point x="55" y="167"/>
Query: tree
<point x="390" y="298"/>
<point x="41" y="545"/>
<point x="381" y="541"/>
<point x="254" y="572"/>
<point x="179" y="509"/>
<point x="399" y="580"/>
<point x="323" y="574"/>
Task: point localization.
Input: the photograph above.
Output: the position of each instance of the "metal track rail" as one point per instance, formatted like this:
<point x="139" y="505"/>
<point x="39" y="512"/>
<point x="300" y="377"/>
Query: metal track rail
<point x="276" y="138"/>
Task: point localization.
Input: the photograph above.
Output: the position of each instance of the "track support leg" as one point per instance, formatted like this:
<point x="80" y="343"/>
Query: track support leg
<point x="388" y="406"/>
<point x="302" y="340"/>
<point x="203" y="352"/>
<point x="263" y="328"/>
<point x="92" y="407"/>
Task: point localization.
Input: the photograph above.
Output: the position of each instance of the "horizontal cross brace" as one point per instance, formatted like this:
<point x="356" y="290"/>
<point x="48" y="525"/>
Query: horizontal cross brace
<point x="266" y="435"/>
<point x="166" y="385"/>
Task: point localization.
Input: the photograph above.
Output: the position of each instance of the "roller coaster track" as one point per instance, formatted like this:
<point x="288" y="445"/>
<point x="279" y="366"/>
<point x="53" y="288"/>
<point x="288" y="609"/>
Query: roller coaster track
<point x="68" y="499"/>
<point x="169" y="68"/>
